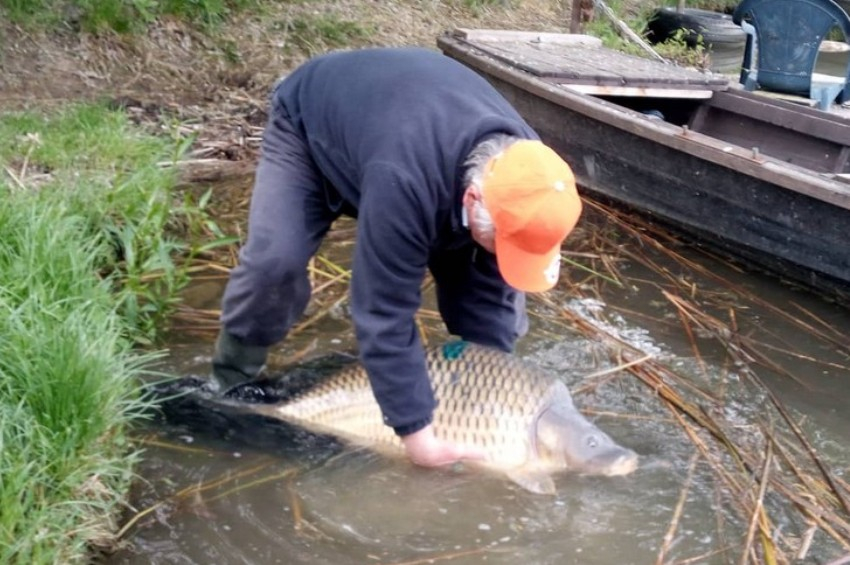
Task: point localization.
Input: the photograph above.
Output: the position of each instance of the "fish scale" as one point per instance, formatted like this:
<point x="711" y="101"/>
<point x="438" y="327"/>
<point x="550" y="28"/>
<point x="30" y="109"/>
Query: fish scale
<point x="522" y="418"/>
<point x="486" y="398"/>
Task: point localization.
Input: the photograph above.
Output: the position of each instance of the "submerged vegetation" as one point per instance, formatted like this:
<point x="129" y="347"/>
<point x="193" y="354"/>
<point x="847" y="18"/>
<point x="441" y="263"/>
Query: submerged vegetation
<point x="87" y="272"/>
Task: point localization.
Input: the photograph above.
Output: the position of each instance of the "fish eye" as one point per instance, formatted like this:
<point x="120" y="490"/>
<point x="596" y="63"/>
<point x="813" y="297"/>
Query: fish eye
<point x="592" y="441"/>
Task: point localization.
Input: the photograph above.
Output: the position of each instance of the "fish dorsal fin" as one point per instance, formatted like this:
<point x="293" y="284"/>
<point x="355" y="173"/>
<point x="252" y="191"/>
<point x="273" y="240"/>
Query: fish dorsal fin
<point x="533" y="478"/>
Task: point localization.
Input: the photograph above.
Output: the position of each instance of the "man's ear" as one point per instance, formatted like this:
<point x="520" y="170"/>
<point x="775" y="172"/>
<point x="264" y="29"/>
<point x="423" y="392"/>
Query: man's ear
<point x="470" y="195"/>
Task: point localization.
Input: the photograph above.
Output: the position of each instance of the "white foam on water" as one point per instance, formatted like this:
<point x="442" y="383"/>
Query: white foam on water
<point x="591" y="309"/>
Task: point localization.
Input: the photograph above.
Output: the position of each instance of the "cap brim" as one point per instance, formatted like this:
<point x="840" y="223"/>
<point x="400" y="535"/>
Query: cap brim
<point x="528" y="272"/>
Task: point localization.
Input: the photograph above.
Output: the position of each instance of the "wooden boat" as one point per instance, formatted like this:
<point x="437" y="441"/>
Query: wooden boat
<point x="760" y="178"/>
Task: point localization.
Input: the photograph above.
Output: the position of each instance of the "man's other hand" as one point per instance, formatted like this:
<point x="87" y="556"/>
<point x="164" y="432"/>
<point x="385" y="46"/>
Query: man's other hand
<point x="425" y="449"/>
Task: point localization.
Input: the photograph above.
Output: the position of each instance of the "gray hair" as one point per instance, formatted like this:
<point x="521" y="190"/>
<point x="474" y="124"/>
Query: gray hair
<point x="481" y="155"/>
<point x="476" y="162"/>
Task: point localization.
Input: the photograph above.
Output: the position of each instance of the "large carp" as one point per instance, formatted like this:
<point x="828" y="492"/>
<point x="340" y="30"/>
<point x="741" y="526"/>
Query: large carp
<point x="522" y="417"/>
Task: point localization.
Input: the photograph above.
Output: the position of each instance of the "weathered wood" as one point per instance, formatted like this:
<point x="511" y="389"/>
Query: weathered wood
<point x="527" y="37"/>
<point x="802" y="100"/>
<point x="805" y="121"/>
<point x="575" y="17"/>
<point x="581" y="64"/>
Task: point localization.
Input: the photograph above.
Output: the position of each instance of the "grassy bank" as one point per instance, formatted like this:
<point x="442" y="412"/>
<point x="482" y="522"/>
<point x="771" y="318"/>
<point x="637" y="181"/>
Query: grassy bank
<point x="86" y="273"/>
<point x="118" y="15"/>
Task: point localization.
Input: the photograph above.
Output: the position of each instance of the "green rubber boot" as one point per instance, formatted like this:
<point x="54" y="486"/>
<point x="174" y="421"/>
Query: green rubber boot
<point x="234" y="363"/>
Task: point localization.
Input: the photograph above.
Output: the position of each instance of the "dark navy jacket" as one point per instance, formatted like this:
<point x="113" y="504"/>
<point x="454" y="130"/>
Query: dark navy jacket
<point x="390" y="130"/>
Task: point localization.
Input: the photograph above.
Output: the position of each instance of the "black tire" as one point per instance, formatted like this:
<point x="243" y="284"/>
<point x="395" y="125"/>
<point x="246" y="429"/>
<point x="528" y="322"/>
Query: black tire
<point x="714" y="28"/>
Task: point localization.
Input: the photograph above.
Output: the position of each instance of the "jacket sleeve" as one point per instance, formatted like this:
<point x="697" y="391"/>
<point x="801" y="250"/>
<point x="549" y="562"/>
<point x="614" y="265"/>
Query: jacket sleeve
<point x="395" y="226"/>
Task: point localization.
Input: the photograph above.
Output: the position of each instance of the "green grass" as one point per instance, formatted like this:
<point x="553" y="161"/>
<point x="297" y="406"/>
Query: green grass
<point x="86" y="273"/>
<point x="69" y="387"/>
<point x="677" y="49"/>
<point x="315" y="34"/>
<point x="601" y="27"/>
<point x="478" y="5"/>
<point x="119" y="15"/>
<point x="109" y="175"/>
<point x="712" y="5"/>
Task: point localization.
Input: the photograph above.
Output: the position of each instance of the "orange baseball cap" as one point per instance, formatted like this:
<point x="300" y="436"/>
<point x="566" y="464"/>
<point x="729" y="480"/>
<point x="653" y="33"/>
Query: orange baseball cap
<point x="530" y="192"/>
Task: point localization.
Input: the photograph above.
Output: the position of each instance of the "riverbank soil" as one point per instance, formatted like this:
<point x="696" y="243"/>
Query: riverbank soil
<point x="215" y="82"/>
<point x="173" y="64"/>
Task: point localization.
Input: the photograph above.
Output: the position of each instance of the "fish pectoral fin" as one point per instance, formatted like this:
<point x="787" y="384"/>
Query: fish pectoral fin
<point x="533" y="479"/>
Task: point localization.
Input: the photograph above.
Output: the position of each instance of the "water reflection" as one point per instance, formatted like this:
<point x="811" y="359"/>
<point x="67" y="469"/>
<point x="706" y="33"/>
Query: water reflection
<point x="238" y="491"/>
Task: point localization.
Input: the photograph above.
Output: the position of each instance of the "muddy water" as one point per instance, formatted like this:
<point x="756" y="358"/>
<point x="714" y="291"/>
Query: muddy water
<point x="214" y="491"/>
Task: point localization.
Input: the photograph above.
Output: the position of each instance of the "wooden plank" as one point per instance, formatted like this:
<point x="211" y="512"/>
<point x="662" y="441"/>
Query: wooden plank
<point x="698" y="118"/>
<point x="575" y="17"/>
<point x="815" y="123"/>
<point x="579" y="64"/>
<point x="793" y="98"/>
<point x="639" y="91"/>
<point x="811" y="152"/>
<point x="841" y="162"/>
<point x="527" y="36"/>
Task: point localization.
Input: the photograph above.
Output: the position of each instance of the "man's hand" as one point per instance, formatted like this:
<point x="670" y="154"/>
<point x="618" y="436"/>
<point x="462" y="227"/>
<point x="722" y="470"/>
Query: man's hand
<point x="423" y="448"/>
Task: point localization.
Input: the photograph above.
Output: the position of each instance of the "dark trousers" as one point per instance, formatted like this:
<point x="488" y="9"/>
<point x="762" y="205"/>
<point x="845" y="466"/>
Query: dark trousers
<point x="290" y="214"/>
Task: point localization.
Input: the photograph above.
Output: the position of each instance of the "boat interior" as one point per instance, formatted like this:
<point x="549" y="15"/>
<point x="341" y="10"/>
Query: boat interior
<point x="806" y="137"/>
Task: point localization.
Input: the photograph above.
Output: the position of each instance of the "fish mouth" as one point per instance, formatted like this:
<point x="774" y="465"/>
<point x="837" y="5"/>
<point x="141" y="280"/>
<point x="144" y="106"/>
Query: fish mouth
<point x="614" y="462"/>
<point x="622" y="463"/>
